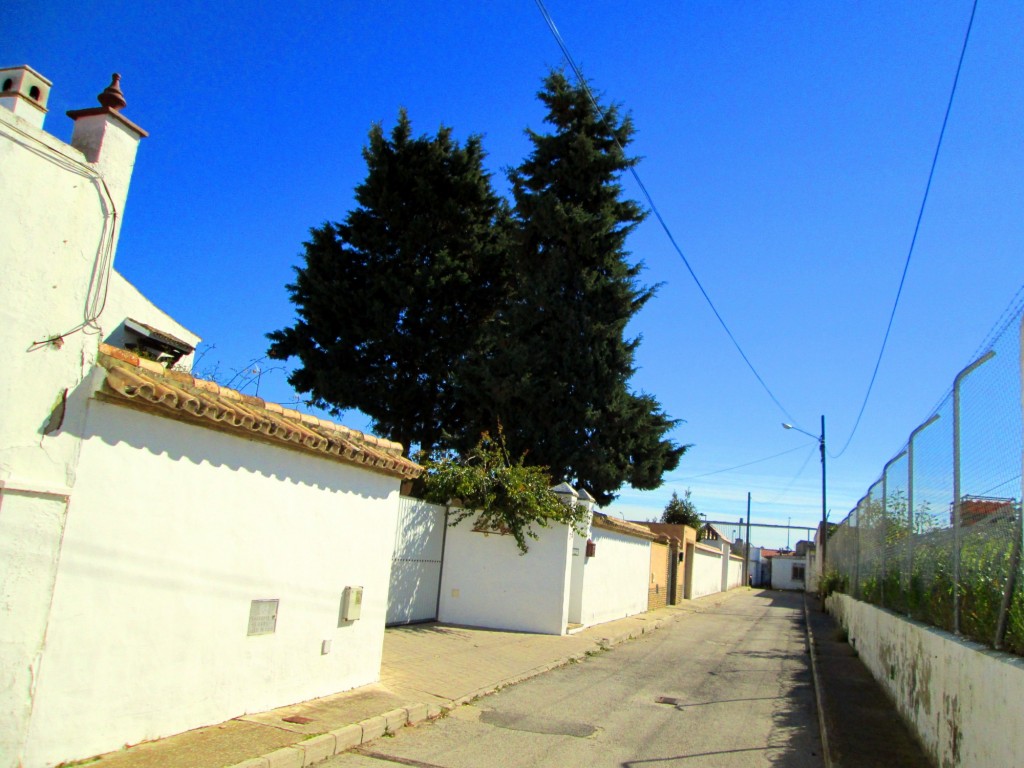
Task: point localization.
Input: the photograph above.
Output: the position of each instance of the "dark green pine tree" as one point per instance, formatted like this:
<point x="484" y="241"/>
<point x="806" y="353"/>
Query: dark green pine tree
<point x="388" y="302"/>
<point x="556" y="366"/>
<point x="682" y="511"/>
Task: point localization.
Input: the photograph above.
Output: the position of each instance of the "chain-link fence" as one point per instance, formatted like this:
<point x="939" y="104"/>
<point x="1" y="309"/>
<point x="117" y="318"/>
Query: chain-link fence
<point x="938" y="536"/>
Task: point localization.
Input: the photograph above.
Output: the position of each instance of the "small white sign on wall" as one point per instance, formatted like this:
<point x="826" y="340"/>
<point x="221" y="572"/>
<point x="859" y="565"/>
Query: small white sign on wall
<point x="263" y="617"/>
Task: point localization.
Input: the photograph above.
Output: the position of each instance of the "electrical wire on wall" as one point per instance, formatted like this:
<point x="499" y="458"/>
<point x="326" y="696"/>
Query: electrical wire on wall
<point x="99" y="280"/>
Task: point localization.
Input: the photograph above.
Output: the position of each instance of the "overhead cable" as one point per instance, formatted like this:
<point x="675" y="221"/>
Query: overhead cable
<point x="654" y="209"/>
<point x="913" y="239"/>
<point x="747" y="464"/>
<point x="795" y="477"/>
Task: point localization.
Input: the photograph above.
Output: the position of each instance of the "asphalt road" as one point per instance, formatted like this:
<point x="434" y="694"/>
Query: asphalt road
<point x="727" y="687"/>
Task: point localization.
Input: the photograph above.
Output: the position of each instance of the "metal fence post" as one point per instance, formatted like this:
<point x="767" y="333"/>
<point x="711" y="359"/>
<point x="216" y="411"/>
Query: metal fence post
<point x="885" y="521"/>
<point x="1018" y="542"/>
<point x="910" y="504"/>
<point x="856" y="559"/>
<point x="957" y="382"/>
<point x="885" y="529"/>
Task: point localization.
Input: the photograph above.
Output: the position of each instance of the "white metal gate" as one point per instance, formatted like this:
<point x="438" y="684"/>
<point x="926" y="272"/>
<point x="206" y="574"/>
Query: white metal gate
<point x="416" y="562"/>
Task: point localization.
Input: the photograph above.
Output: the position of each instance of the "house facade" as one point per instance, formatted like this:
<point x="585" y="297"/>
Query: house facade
<point x="172" y="553"/>
<point x="789" y="571"/>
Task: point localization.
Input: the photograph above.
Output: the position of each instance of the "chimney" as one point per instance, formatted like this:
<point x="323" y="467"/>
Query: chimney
<point x="25" y="93"/>
<point x="108" y="139"/>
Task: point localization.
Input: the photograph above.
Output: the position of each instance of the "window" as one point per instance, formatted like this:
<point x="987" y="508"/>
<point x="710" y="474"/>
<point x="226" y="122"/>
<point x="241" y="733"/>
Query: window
<point x="798" y="572"/>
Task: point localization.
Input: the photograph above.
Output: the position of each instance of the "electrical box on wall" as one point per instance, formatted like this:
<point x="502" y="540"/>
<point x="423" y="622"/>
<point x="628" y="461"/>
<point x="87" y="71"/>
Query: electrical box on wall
<point x="591" y="548"/>
<point x="351" y="604"/>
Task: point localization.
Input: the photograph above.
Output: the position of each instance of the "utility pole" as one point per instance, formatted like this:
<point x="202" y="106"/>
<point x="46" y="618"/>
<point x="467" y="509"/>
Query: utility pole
<point x="746" y="560"/>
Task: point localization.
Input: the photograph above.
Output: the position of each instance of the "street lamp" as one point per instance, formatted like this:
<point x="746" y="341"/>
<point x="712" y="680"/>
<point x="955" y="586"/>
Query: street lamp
<point x="824" y="519"/>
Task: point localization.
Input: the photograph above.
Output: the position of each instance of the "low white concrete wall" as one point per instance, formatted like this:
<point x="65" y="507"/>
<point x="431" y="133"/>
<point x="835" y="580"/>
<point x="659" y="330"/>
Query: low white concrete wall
<point x="735" y="572"/>
<point x="487" y="583"/>
<point x="171" y="532"/>
<point x="962" y="700"/>
<point x="615" y="579"/>
<point x="707" y="573"/>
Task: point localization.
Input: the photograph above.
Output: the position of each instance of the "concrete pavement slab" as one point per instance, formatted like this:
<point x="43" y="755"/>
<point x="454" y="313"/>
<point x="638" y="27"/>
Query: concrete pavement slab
<point x="330" y="712"/>
<point x="221" y="745"/>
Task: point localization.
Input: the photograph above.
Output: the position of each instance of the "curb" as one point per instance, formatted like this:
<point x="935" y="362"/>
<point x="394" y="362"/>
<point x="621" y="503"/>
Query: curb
<point x="327" y="745"/>
<point x="826" y="753"/>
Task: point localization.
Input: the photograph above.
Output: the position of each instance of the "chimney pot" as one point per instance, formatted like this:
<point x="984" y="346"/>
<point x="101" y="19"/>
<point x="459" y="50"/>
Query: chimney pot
<point x="112" y="96"/>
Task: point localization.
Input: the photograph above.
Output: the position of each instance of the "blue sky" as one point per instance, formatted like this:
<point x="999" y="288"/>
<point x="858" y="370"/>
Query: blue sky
<point x="787" y="145"/>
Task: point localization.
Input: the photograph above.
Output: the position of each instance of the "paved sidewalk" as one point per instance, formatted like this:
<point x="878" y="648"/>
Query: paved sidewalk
<point x="427" y="669"/>
<point x="862" y="725"/>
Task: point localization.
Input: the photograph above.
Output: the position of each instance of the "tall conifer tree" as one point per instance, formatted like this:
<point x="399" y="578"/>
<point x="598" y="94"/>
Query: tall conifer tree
<point x="555" y="366"/>
<point x="389" y="301"/>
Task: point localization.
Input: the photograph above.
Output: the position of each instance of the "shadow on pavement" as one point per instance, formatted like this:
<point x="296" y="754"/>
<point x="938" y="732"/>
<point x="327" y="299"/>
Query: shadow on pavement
<point x="794" y="740"/>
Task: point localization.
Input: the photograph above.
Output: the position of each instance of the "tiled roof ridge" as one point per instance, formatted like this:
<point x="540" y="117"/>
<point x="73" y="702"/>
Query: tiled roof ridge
<point x="181" y="392"/>
<point x="602" y="520"/>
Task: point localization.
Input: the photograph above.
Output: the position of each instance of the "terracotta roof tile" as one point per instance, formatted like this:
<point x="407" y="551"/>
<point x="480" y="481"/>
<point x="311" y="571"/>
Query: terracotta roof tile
<point x="204" y="403"/>
<point x="622" y="526"/>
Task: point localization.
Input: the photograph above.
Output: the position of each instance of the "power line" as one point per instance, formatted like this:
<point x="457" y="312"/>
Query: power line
<point x="650" y="202"/>
<point x="913" y="239"/>
<point x="795" y="477"/>
<point x="747" y="464"/>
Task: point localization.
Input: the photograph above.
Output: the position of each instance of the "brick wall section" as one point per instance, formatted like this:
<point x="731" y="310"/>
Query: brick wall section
<point x="657" y="596"/>
<point x="683" y="534"/>
<point x="680" y="570"/>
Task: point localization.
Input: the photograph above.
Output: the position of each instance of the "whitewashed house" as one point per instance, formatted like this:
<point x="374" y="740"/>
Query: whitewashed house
<point x="789" y="571"/>
<point x="172" y="553"/>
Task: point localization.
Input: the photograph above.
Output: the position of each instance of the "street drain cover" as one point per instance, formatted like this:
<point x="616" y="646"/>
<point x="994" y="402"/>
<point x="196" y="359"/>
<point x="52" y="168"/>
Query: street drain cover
<point x="667" y="700"/>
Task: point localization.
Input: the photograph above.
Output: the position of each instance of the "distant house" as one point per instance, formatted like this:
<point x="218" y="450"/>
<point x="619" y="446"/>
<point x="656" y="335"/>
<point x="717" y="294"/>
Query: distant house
<point x="789" y="571"/>
<point x="764" y="574"/>
<point x="713" y="536"/>
<point x="977" y="509"/>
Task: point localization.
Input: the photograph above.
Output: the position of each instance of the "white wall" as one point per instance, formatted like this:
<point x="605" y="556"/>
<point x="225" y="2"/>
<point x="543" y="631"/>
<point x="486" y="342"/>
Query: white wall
<point x="171" y="531"/>
<point x="615" y="580"/>
<point x="813" y="571"/>
<point x="487" y="583"/>
<point x="707" y="572"/>
<point x="962" y="700"/>
<point x="576" y="577"/>
<point x="57" y="228"/>
<point x="735" y="572"/>
<point x="782" y="573"/>
<point x="58" y="233"/>
<point x="52" y="220"/>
